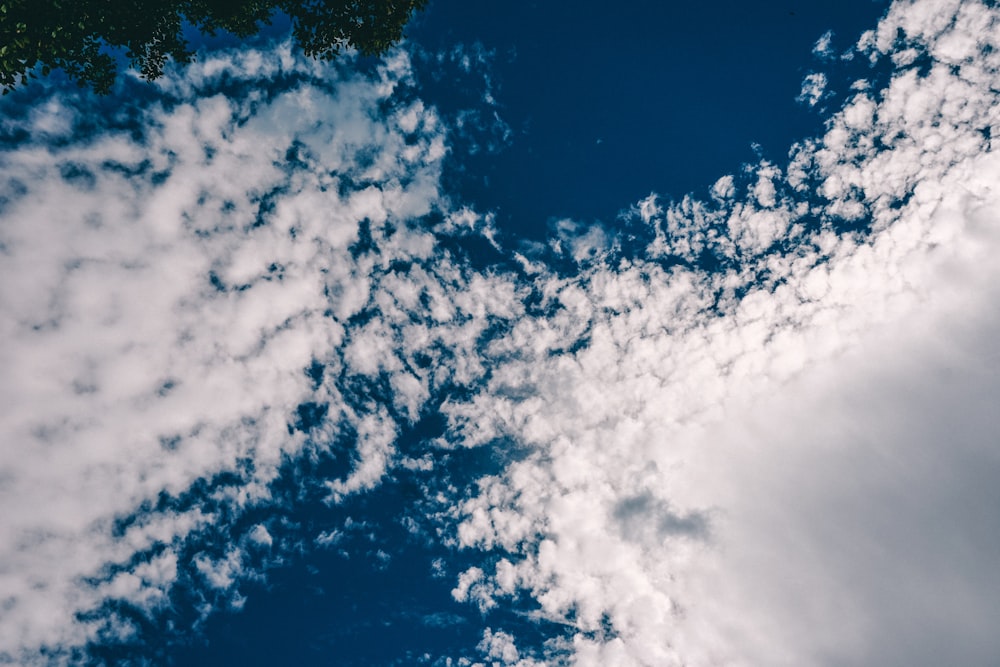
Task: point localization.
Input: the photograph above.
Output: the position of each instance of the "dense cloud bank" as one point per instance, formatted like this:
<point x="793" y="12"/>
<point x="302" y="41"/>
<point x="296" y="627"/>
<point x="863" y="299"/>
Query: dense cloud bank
<point x="750" y="430"/>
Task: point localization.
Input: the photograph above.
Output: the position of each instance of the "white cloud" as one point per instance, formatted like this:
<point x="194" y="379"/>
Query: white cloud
<point x="499" y="648"/>
<point x="823" y="48"/>
<point x="813" y="88"/>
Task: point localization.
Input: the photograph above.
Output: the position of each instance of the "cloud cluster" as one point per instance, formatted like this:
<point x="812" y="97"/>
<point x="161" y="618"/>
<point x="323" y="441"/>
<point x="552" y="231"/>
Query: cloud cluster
<point x="196" y="289"/>
<point x="669" y="400"/>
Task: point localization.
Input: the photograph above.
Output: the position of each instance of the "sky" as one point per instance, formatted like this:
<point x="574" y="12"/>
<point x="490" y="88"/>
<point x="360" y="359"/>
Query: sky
<point x="641" y="335"/>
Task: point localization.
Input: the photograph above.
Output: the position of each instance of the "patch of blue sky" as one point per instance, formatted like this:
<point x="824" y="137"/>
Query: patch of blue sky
<point x="374" y="587"/>
<point x="606" y="105"/>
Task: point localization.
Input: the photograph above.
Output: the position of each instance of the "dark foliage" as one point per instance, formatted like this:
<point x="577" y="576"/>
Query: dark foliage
<point x="76" y="35"/>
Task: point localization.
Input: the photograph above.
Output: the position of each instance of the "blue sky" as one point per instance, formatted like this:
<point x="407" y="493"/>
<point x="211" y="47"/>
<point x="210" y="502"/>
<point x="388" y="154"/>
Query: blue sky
<point x="607" y="106"/>
<point x="643" y="335"/>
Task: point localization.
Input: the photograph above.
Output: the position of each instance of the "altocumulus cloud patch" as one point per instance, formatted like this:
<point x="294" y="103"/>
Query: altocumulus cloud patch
<point x="207" y="286"/>
<point x="755" y="429"/>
